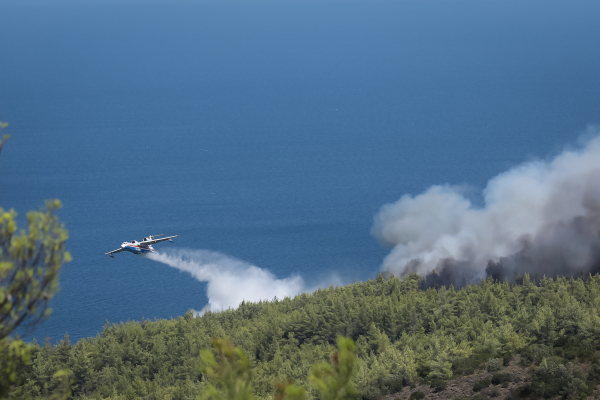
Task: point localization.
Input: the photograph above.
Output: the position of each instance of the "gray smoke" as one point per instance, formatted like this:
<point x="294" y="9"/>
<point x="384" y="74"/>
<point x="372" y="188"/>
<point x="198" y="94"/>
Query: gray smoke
<point x="541" y="217"/>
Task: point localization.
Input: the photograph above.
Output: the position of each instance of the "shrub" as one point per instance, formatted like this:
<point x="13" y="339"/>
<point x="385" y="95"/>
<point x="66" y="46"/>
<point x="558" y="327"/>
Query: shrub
<point x="391" y="384"/>
<point x="440" y="370"/>
<point x="571" y="352"/>
<point x="586" y="349"/>
<point x="418" y="395"/>
<point x="371" y="393"/>
<point x="438" y="385"/>
<point x="519" y="393"/>
<point x="377" y="388"/>
<point x="553" y="378"/>
<point x="481" y="384"/>
<point x="570" y="347"/>
<point x="558" y="352"/>
<point x="494" y="364"/>
<point x="465" y="366"/>
<point x="500" y="377"/>
<point x="535" y="354"/>
<point x="494" y="392"/>
<point x="594" y="374"/>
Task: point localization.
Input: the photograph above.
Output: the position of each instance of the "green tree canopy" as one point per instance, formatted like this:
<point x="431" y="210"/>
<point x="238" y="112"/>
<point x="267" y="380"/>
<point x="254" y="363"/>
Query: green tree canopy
<point x="30" y="261"/>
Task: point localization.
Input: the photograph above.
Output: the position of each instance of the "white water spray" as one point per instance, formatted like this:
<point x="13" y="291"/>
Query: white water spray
<point x="230" y="281"/>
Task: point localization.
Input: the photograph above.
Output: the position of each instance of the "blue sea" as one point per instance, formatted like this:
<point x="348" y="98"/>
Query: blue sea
<point x="271" y="132"/>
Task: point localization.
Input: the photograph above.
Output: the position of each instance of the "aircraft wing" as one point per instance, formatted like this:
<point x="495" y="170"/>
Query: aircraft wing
<point x="110" y="253"/>
<point x="149" y="242"/>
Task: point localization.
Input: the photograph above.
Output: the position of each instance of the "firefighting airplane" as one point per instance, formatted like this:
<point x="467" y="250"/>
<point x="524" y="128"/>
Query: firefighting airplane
<point x="143" y="247"/>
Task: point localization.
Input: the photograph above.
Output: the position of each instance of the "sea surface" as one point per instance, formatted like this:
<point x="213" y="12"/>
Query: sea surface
<point x="271" y="132"/>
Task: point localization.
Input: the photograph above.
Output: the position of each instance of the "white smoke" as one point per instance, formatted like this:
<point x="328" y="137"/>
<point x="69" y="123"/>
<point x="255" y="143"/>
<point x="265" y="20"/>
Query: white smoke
<point x="541" y="217"/>
<point x="230" y="281"/>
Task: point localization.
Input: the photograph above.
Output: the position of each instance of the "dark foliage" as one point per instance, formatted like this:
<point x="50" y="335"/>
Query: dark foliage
<point x="418" y="395"/>
<point x="501" y="377"/>
<point x="555" y="378"/>
<point x="481" y="384"/>
<point x="438" y="385"/>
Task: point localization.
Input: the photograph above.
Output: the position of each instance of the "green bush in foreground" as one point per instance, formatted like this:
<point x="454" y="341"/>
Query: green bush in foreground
<point x="31" y="258"/>
<point x="230" y="374"/>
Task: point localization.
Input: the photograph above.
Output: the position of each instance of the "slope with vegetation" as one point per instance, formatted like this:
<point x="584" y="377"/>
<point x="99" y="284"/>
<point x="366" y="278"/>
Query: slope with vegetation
<point x="403" y="336"/>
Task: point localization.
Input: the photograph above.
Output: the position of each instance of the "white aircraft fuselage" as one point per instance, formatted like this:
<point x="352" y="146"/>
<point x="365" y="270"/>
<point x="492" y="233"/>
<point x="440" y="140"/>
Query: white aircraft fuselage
<point x="143" y="247"/>
<point x="136" y="247"/>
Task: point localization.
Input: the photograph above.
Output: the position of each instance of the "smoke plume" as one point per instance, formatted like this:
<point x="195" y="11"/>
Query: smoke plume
<point x="541" y="217"/>
<point x="230" y="281"/>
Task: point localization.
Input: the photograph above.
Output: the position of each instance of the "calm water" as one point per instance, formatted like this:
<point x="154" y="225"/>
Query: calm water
<point x="270" y="132"/>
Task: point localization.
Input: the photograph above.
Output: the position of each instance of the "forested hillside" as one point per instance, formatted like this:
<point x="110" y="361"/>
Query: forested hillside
<point x="403" y="335"/>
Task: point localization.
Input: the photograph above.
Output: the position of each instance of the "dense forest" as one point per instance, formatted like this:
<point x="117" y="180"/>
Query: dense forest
<point x="403" y="334"/>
